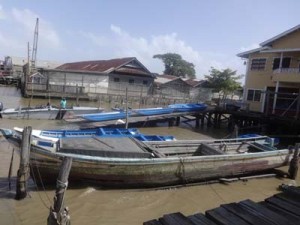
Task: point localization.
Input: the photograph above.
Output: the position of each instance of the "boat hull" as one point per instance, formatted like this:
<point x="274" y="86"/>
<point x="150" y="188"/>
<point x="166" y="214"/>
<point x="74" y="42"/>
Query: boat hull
<point x="146" y="172"/>
<point x="152" y="111"/>
<point x="47" y="113"/>
<point x="189" y="107"/>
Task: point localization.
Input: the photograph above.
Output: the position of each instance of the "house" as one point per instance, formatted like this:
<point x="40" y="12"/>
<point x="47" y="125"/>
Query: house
<point x="199" y="89"/>
<point x="272" y="82"/>
<point x="92" y="78"/>
<point x="170" y="86"/>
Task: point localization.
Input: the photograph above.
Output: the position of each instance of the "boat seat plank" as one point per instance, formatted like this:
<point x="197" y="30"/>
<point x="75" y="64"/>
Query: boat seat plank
<point x="175" y="219"/>
<point x="200" y="219"/>
<point x="261" y="210"/>
<point x="205" y="149"/>
<point x="221" y="216"/>
<point x="103" y="147"/>
<point x="260" y="147"/>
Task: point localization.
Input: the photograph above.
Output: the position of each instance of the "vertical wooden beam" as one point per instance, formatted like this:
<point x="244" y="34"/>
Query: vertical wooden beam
<point x="298" y="106"/>
<point x="59" y="215"/>
<point x="126" y="101"/>
<point x="275" y="97"/>
<point x="177" y="120"/>
<point x="197" y="121"/>
<point x="23" y="172"/>
<point x="293" y="169"/>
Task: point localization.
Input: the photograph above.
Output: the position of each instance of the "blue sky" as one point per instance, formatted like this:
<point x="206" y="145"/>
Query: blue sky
<point x="205" y="33"/>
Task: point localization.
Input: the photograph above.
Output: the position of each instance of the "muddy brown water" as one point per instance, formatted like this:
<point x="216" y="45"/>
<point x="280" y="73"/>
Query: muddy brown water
<point x="92" y="205"/>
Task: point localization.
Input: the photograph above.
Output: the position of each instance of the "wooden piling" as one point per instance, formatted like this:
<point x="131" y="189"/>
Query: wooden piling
<point x="177" y="121"/>
<point x="23" y="172"/>
<point x="293" y="169"/>
<point x="197" y="121"/>
<point x="59" y="215"/>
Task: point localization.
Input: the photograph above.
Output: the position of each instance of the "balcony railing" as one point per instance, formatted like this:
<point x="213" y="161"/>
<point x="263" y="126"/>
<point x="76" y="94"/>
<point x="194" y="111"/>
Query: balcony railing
<point x="286" y="70"/>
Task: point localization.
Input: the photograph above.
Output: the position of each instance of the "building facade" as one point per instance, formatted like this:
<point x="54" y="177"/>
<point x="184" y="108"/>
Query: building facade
<point x="93" y="78"/>
<point x="272" y="82"/>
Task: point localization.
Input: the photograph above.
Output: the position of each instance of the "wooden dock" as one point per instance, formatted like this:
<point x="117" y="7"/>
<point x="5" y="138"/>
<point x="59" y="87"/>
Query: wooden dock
<point x="280" y="209"/>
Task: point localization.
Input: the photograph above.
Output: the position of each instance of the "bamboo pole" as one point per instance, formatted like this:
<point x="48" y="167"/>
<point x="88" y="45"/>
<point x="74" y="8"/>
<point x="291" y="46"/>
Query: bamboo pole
<point x="23" y="172"/>
<point x="59" y="215"/>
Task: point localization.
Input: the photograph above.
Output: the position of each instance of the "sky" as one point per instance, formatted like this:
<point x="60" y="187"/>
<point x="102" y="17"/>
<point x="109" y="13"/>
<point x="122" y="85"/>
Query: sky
<point x="205" y="33"/>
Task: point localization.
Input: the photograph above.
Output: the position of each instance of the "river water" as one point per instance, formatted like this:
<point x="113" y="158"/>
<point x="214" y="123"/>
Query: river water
<point x="92" y="205"/>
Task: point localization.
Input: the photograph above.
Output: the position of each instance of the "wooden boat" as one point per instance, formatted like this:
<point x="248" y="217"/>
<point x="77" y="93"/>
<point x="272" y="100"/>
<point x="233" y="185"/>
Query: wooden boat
<point x="55" y="135"/>
<point x="127" y="162"/>
<point x="105" y="116"/>
<point x="152" y="111"/>
<point x="188" y="107"/>
<point x="46" y="112"/>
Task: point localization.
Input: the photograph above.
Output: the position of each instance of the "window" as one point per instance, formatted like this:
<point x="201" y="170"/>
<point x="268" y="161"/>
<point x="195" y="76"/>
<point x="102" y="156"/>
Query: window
<point x="131" y="81"/>
<point x="116" y="79"/>
<point x="254" y="95"/>
<point x="145" y="82"/>
<point x="258" y="64"/>
<point x="285" y="63"/>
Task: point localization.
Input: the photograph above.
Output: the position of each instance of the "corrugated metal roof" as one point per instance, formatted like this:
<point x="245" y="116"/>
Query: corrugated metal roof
<point x="128" y="65"/>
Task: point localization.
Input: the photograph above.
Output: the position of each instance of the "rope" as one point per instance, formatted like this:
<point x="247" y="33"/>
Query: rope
<point x="37" y="189"/>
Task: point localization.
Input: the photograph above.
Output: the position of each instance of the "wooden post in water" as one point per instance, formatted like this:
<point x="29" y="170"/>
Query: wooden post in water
<point x="177" y="121"/>
<point x="293" y="169"/>
<point x="126" y="124"/>
<point x="23" y="172"/>
<point x="59" y="215"/>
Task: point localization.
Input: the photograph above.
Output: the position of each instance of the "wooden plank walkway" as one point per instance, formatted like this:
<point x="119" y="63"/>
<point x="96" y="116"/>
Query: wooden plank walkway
<point x="280" y="209"/>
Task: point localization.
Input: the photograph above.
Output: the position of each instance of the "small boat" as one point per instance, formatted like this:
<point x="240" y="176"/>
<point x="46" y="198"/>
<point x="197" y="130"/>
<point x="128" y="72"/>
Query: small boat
<point x="127" y="162"/>
<point x="46" y="112"/>
<point x="188" y="107"/>
<point x="105" y="116"/>
<point x="54" y="135"/>
<point x="152" y="111"/>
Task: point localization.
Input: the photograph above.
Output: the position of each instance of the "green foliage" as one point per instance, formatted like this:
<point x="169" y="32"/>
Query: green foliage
<point x="176" y="66"/>
<point x="225" y="81"/>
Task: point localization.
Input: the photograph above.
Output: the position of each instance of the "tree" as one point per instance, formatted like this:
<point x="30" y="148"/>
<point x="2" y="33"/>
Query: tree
<point x="176" y="66"/>
<point x="224" y="81"/>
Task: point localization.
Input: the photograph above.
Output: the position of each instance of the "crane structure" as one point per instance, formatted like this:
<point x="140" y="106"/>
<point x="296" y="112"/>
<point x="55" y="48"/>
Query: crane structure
<point x="34" y="46"/>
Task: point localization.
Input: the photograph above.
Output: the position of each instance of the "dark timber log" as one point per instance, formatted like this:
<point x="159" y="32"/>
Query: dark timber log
<point x="23" y="172"/>
<point x="293" y="169"/>
<point x="58" y="214"/>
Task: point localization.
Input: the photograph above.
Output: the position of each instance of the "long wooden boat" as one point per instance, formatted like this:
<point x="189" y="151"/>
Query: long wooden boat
<point x="47" y="112"/>
<point x="55" y="135"/>
<point x="188" y="107"/>
<point x="152" y="111"/>
<point x="127" y="162"/>
<point x="105" y="116"/>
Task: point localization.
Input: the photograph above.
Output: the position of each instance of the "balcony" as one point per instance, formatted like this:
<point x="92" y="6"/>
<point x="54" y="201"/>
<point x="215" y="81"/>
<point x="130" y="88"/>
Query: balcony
<point x="291" y="75"/>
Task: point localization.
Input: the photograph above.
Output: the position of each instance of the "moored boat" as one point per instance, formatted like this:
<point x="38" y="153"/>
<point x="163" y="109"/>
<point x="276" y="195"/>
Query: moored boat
<point x="46" y="112"/>
<point x="188" y="107"/>
<point x="127" y="162"/>
<point x="55" y="135"/>
<point x="152" y="111"/>
<point x="105" y="116"/>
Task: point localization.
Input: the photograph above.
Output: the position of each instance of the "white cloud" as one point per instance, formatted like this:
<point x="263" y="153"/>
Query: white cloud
<point x="144" y="49"/>
<point x="250" y="47"/>
<point x="47" y="35"/>
<point x="2" y="14"/>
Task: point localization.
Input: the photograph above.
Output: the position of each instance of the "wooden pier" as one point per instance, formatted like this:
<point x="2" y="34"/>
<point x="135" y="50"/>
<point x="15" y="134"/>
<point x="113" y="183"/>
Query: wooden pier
<point x="280" y="209"/>
<point x="245" y="121"/>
